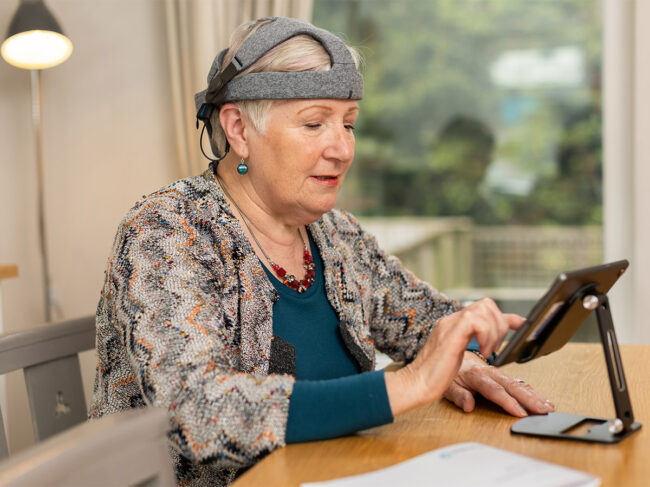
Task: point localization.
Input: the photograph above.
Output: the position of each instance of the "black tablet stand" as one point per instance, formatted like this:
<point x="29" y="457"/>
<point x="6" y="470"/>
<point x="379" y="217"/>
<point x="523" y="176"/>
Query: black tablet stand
<point x="558" y="425"/>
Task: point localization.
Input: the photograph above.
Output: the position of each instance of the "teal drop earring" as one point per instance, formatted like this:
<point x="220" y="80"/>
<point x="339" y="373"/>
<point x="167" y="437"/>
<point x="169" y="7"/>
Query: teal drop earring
<point x="242" y="168"/>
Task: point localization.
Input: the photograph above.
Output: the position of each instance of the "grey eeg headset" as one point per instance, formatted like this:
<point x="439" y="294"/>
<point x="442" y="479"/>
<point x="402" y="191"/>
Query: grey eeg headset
<point x="342" y="81"/>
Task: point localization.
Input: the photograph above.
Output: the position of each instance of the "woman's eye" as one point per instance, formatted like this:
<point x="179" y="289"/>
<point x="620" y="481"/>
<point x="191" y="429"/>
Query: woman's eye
<point x="350" y="127"/>
<point x="313" y="125"/>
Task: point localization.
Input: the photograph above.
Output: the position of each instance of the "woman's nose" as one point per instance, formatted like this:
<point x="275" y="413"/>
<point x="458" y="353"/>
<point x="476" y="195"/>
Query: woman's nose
<point x="340" y="145"/>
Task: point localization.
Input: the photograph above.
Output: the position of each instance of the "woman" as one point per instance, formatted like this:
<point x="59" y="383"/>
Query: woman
<point x="201" y="313"/>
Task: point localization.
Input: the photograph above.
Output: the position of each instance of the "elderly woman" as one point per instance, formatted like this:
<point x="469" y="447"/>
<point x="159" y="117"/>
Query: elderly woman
<point x="249" y="308"/>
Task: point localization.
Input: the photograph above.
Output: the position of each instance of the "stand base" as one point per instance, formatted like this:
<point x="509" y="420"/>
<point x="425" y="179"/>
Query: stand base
<point x="558" y="425"/>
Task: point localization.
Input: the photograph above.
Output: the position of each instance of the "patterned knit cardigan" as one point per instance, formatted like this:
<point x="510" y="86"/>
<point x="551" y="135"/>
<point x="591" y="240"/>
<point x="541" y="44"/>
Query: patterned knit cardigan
<point x="185" y="322"/>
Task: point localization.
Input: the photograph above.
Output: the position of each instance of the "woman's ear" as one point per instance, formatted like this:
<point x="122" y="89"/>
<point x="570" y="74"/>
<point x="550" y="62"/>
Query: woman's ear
<point x="235" y="127"/>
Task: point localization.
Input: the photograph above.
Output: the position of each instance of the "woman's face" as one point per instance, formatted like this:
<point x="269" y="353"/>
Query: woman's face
<point x="298" y="164"/>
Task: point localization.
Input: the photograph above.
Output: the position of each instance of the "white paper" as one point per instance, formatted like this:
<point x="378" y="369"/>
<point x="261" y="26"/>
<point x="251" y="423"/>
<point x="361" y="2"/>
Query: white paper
<point x="468" y="465"/>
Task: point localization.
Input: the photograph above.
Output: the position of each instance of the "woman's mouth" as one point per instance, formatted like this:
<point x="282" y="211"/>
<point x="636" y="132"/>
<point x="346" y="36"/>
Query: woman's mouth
<point x="327" y="180"/>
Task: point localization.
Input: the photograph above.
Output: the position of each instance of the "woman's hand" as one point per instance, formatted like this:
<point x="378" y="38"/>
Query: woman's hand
<point x="513" y="395"/>
<point x="437" y="364"/>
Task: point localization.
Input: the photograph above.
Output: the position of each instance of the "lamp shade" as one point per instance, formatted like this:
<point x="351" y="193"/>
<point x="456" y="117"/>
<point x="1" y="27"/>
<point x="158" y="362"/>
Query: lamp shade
<point x="34" y="39"/>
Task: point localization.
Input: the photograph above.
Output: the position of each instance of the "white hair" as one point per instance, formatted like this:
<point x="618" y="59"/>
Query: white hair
<point x="299" y="53"/>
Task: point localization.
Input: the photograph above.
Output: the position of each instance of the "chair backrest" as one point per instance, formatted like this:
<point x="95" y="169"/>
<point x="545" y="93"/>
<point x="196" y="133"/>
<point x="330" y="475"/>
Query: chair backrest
<point x="124" y="449"/>
<point x="48" y="356"/>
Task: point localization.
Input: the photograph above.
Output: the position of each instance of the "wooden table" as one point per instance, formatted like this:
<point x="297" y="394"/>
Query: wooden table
<point x="574" y="378"/>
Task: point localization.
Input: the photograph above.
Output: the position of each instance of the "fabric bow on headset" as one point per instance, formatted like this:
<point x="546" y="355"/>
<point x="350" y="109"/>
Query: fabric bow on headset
<point x="342" y="81"/>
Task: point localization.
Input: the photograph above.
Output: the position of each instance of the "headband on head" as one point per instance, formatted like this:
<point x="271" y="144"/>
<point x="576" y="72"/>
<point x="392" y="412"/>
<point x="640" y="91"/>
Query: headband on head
<point x="342" y="81"/>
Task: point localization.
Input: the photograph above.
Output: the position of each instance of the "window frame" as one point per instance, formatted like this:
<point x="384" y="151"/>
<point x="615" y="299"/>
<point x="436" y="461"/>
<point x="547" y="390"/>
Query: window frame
<point x="626" y="72"/>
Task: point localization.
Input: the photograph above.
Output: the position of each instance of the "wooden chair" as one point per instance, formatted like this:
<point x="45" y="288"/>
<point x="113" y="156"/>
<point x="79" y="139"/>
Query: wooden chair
<point x="48" y="356"/>
<point x="124" y="449"/>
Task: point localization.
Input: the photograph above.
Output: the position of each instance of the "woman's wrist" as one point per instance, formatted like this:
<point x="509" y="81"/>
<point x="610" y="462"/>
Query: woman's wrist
<point x="479" y="355"/>
<point x="395" y="389"/>
<point x="403" y="390"/>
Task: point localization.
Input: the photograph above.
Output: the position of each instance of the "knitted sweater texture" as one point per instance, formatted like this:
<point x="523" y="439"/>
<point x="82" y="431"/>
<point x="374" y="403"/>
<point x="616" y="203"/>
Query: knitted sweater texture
<point x="185" y="322"/>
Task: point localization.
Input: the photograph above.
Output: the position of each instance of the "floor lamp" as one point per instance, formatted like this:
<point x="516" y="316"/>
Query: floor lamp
<point x="35" y="41"/>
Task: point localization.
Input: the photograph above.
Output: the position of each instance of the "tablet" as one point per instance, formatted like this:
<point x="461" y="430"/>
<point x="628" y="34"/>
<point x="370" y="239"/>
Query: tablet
<point x="559" y="313"/>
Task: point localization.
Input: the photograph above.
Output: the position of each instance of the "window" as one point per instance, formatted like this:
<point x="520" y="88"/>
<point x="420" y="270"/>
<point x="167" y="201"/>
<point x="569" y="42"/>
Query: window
<point x="479" y="138"/>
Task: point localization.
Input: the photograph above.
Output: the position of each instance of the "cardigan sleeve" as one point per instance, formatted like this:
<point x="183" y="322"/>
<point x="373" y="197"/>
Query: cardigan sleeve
<point x="401" y="310"/>
<point x="162" y="306"/>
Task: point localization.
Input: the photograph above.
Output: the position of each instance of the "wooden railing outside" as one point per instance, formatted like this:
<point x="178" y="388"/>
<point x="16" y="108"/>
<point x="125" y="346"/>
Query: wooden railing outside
<point x="437" y="250"/>
<point x="504" y="262"/>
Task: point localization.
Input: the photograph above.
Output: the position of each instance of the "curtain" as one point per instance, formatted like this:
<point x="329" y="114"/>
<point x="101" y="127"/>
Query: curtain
<point x="196" y="31"/>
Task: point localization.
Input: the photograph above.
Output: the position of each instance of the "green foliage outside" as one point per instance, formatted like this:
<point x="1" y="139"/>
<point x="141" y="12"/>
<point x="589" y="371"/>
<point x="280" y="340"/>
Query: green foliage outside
<point x="437" y="136"/>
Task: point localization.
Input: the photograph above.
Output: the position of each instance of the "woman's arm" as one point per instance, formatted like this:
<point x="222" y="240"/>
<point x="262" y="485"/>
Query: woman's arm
<point x="411" y="321"/>
<point x="165" y="298"/>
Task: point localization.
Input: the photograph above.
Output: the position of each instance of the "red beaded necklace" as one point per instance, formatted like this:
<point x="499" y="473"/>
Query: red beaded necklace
<point x="288" y="280"/>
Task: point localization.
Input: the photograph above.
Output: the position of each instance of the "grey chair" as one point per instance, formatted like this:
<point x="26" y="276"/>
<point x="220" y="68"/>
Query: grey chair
<point x="124" y="449"/>
<point x="48" y="356"/>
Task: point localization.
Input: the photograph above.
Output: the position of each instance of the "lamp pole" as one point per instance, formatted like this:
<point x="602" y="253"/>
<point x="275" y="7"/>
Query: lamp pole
<point x="37" y="98"/>
<point x="35" y="41"/>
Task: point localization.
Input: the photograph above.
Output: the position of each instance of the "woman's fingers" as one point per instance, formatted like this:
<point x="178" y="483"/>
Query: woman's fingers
<point x="514" y="321"/>
<point x="515" y="396"/>
<point x="485" y="385"/>
<point x="528" y="397"/>
<point x="488" y="324"/>
<point x="499" y="329"/>
<point x="461" y="397"/>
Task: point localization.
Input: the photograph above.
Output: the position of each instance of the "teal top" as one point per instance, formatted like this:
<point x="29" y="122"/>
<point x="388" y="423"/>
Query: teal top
<point x="330" y="397"/>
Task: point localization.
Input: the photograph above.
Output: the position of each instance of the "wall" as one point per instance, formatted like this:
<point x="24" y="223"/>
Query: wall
<point x="107" y="139"/>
